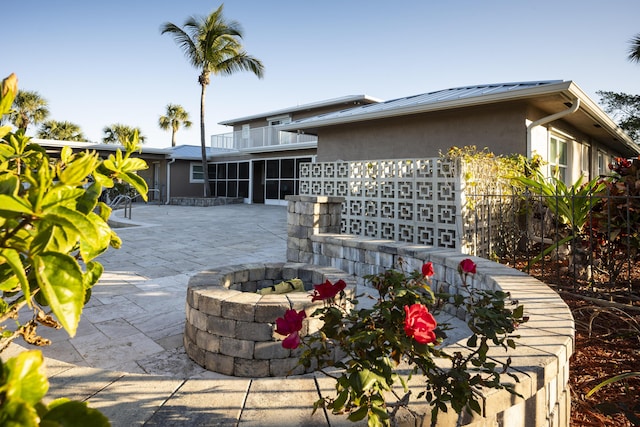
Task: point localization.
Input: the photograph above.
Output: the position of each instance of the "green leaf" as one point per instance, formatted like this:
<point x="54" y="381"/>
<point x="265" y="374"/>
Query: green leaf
<point x="133" y="164"/>
<point x="81" y="224"/>
<point x="17" y="413"/>
<point x="13" y="205"/>
<point x="61" y="281"/>
<point x="358" y="414"/>
<point x="136" y="182"/>
<point x="338" y="404"/>
<point x="101" y="242"/>
<point x="61" y="195"/>
<point x="13" y="259"/>
<point x="76" y="172"/>
<point x="9" y="184"/>
<point x="69" y="413"/>
<point x="89" y="199"/>
<point x="26" y="378"/>
<point x="518" y="312"/>
<point x="612" y="380"/>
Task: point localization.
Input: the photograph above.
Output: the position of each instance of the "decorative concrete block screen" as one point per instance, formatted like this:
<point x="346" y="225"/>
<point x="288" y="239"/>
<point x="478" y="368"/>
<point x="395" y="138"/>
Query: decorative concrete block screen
<point x="414" y="201"/>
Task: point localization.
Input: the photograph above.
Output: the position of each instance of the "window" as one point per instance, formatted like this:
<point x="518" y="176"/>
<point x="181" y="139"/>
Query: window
<point x="586" y="171"/>
<point x="231" y="179"/>
<point x="603" y="163"/>
<point x="558" y="157"/>
<point x="196" y="175"/>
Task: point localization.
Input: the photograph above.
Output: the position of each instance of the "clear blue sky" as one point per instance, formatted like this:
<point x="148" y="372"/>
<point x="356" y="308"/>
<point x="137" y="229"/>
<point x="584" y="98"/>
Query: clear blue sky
<point x="104" y="62"/>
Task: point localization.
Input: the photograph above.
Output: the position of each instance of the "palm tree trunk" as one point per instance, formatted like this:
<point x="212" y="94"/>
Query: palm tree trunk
<point x="173" y="137"/>
<point x="203" y="146"/>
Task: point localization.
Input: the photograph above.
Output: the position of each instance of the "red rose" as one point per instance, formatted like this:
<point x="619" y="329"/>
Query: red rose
<point x="467" y="266"/>
<point x="427" y="269"/>
<point x="419" y="324"/>
<point x="290" y="325"/>
<point x="327" y="290"/>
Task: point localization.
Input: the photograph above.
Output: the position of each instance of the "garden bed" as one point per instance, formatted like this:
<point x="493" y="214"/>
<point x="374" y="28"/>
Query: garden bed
<point x="607" y="343"/>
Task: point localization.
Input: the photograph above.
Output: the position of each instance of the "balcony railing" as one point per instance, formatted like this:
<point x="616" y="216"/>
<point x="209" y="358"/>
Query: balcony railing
<point x="258" y="138"/>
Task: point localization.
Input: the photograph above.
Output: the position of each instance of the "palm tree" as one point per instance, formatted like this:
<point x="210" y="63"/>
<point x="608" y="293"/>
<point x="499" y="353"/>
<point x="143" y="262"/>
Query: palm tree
<point x="212" y="45"/>
<point x="634" y="50"/>
<point x="61" y="131"/>
<point x="29" y="108"/>
<point x="175" y="117"/>
<point x="118" y="133"/>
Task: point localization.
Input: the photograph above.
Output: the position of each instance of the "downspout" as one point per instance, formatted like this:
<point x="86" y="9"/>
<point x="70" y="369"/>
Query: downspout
<point x="574" y="107"/>
<point x="169" y="181"/>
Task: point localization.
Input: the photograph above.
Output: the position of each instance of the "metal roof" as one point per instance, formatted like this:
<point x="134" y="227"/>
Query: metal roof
<point x="550" y="96"/>
<point x="460" y="94"/>
<point x="193" y="152"/>
<point x="350" y="99"/>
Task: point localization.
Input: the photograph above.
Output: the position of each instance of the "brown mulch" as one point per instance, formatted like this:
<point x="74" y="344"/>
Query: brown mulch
<point x="607" y="343"/>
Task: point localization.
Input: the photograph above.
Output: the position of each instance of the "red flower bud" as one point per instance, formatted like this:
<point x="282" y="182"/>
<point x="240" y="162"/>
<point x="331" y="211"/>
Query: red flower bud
<point x="427" y="269"/>
<point x="467" y="266"/>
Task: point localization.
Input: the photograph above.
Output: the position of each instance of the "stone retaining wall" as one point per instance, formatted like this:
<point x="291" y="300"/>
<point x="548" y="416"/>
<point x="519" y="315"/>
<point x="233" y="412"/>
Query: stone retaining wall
<point x="541" y="359"/>
<point x="205" y="202"/>
<point x="230" y="328"/>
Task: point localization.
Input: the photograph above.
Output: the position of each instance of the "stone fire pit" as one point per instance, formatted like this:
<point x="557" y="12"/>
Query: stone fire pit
<point x="230" y="329"/>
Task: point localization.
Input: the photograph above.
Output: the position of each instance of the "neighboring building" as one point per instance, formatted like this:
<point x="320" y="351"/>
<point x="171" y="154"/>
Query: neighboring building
<point x="554" y="119"/>
<point x="263" y="162"/>
<point x="172" y="172"/>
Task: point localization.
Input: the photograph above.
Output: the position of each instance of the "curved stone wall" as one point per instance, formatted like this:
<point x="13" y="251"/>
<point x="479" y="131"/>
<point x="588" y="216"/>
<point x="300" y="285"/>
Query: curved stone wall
<point x="541" y="358"/>
<point x="230" y="329"/>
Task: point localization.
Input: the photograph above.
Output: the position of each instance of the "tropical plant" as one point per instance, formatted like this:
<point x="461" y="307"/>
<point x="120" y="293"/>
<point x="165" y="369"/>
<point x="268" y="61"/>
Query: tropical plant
<point x="397" y="338"/>
<point x="212" y="45"/>
<point x="571" y="206"/>
<point x="174" y="118"/>
<point x="634" y="49"/>
<point x="61" y="131"/>
<point x="118" y="133"/>
<point x="52" y="229"/>
<point x="615" y="220"/>
<point x="28" y="108"/>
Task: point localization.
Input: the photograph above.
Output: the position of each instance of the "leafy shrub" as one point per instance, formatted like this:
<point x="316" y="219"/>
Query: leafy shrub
<point x="52" y="228"/>
<point x="400" y="328"/>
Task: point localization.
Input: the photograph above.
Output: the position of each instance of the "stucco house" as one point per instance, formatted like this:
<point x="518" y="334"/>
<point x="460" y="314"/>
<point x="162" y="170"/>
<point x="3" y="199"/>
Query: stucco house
<point x="554" y="119"/>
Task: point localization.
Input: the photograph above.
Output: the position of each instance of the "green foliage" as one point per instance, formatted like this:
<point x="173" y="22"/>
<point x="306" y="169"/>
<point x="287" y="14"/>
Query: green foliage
<point x="570" y="204"/>
<point x="52" y="227"/>
<point x="615" y="221"/>
<point x="625" y="109"/>
<point x="375" y="343"/>
<point x="23" y="385"/>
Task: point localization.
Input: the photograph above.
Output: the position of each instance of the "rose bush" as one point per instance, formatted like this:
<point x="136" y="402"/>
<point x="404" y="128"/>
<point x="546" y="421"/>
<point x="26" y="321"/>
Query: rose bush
<point x="380" y="348"/>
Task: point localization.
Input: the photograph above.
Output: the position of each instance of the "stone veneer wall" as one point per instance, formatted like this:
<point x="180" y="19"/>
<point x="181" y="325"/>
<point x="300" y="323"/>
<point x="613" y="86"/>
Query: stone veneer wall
<point x="541" y="359"/>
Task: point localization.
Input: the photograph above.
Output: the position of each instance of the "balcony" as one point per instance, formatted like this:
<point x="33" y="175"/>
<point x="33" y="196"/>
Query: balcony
<point x="262" y="139"/>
